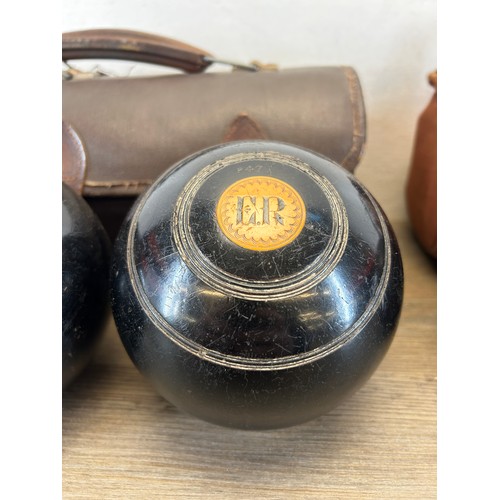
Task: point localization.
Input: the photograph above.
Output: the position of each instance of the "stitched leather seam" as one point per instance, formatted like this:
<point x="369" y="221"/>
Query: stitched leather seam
<point x="354" y="154"/>
<point x="123" y="184"/>
<point x="116" y="188"/>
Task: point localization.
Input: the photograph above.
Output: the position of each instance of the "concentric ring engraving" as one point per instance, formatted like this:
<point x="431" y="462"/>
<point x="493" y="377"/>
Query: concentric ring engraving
<point x="242" y="363"/>
<point x="256" y="289"/>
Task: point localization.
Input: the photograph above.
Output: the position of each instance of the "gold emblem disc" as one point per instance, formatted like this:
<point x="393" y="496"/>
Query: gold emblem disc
<point x="261" y="213"/>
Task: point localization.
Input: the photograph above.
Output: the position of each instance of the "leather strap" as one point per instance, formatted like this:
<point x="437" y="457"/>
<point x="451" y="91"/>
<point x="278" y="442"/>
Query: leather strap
<point x="133" y="46"/>
<point x="244" y="128"/>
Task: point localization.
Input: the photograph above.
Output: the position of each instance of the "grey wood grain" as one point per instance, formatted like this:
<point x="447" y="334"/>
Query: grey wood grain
<point x="121" y="440"/>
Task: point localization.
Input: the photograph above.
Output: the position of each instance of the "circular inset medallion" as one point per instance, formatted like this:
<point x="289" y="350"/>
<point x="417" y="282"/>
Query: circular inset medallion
<point x="241" y="225"/>
<point x="261" y="213"/>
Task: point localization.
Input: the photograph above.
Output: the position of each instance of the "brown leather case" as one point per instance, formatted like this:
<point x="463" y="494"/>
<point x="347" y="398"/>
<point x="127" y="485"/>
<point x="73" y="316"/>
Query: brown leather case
<point x="421" y="190"/>
<point x="133" y="129"/>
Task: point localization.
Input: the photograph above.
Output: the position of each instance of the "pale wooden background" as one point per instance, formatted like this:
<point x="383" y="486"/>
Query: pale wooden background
<point x="121" y="440"/>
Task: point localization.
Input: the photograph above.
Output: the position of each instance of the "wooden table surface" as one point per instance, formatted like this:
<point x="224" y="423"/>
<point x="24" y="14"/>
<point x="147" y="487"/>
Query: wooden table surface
<point x="121" y="440"/>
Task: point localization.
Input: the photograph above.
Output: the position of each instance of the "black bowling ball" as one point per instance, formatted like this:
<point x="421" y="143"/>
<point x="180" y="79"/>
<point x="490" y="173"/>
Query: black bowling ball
<point x="85" y="266"/>
<point x="256" y="285"/>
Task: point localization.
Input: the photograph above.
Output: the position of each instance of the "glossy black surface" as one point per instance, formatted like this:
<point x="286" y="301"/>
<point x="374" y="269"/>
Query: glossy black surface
<point x="292" y="331"/>
<point x="85" y="265"/>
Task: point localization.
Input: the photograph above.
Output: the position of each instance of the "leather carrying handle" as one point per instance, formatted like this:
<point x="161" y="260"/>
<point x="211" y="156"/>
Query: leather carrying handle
<point x="133" y="46"/>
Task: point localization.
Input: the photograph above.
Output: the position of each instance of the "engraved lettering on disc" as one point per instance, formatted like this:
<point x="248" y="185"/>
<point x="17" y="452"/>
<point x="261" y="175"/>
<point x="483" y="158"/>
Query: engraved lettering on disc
<point x="261" y="213"/>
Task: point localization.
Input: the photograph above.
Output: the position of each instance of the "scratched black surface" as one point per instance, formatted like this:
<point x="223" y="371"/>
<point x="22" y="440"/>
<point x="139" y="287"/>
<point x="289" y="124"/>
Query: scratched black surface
<point x="268" y="265"/>
<point x="256" y="329"/>
<point x="85" y="261"/>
